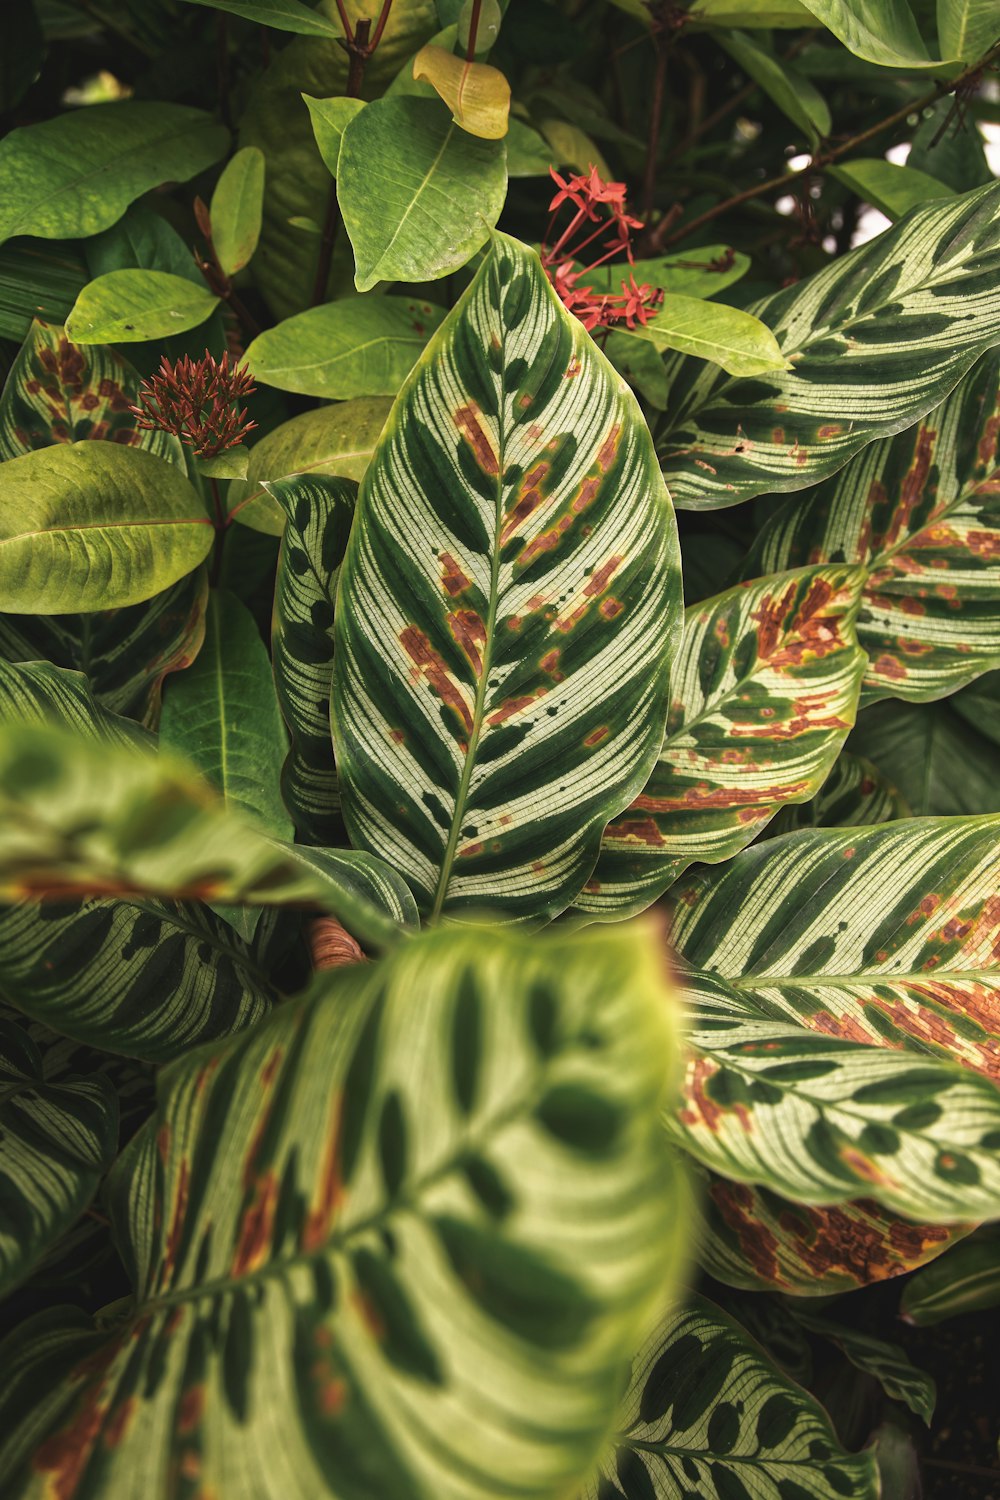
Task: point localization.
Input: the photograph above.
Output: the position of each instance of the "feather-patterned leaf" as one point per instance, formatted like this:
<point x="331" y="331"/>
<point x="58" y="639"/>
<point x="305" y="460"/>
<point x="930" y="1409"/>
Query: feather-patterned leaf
<point x="762" y="695"/>
<point x="58" y="1140"/>
<point x="509" y="604"/>
<point x="38" y="693"/>
<point x="965" y="1280"/>
<point x="708" y="1414"/>
<point x="921" y="512"/>
<point x="854" y="795"/>
<point x="890" y="1365"/>
<point x="319" y="514"/>
<point x="876" y="339"/>
<point x="426" y="1275"/>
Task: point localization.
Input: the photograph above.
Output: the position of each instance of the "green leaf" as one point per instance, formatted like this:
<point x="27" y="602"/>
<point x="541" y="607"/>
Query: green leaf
<point x="881" y="31"/>
<point x="572" y="147"/>
<point x="95" y="525"/>
<point x="528" y="153"/>
<point x="727" y="336"/>
<point x="965" y="1280"/>
<point x="364" y="346"/>
<point x="440" y="191"/>
<point x="919" y="512"/>
<point x="332" y="440"/>
<point x="701" y="273"/>
<point x="876" y="339"/>
<point x="22" y="51"/>
<point x="967" y="29"/>
<point x="283" y="15"/>
<point x="236" y="210"/>
<point x="77" y="174"/>
<point x="57" y="392"/>
<point x="350" y="1243"/>
<point x="142" y="239"/>
<point x="707" y="1413"/>
<point x="508" y="608"/>
<point x="129" y="307"/>
<point x="231" y="463"/>
<point x="955" y="155"/>
<point x="58" y="1141"/>
<point x="890" y="1365"/>
<point x="37" y="281"/>
<point x="330" y="118"/>
<point x="890" y="188"/>
<point x="795" y="95"/>
<point x="942" y="762"/>
<point x="751" y="13"/>
<point x="36" y="692"/>
<point x="319" y="511"/>
<point x="855" y="795"/>
<point x="94" y="820"/>
<point x="763" y="693"/>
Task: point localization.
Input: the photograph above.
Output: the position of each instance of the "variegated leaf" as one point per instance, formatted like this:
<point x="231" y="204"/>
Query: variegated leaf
<point x="39" y="693"/>
<point x="877" y="338"/>
<point x="319" y="513"/>
<point x="921" y="512"/>
<point x="707" y="1414"/>
<point x="57" y="1141"/>
<point x="509" y="604"/>
<point x="965" y="1280"/>
<point x="379" y="1249"/>
<point x="762" y="695"/>
<point x="887" y="1363"/>
<point x="854" y="795"/>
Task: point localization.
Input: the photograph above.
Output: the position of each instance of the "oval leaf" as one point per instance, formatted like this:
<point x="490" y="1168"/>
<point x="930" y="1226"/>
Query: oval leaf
<point x="477" y="95"/>
<point x="741" y="344"/>
<point x="236" y="209"/>
<point x="127" y="307"/>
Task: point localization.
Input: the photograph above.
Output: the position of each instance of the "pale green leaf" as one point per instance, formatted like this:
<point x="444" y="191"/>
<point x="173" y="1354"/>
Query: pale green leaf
<point x="967" y="29"/>
<point x="231" y="463"/>
<point x="572" y="147"/>
<point x="890" y="188"/>
<point x="236" y="208"/>
<point x="128" y="307"/>
<point x="727" y="336"/>
<point x="330" y="118"/>
<point x="700" y="273"/>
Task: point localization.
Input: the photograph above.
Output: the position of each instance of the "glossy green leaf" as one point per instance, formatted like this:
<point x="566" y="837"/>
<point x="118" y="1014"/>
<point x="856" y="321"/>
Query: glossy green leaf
<point x="319" y="513"/>
<point x="364" y="346"/>
<point x="95" y="525"/>
<point x="440" y="191"/>
<point x="796" y="96"/>
<point x="967" y="29"/>
<point x="76" y="174"/>
<point x="855" y="795"/>
<point x="726" y="336"/>
<point x="890" y="1365"/>
<point x="509" y="606"/>
<point x="423" y="1274"/>
<point x="283" y="15"/>
<point x="876" y="339"/>
<point x="58" y="1140"/>
<point x="129" y="307"/>
<point x="966" y="1280"/>
<point x="888" y="187"/>
<point x="700" y="273"/>
<point x="880" y="31"/>
<point x="330" y="118"/>
<point x="763" y="694"/>
<point x="37" y="280"/>
<point x="236" y="209"/>
<point x="333" y="440"/>
<point x="920" y="512"/>
<point x="57" y="392"/>
<point x="938" y="757"/>
<point x="707" y="1413"/>
<point x="751" y="13"/>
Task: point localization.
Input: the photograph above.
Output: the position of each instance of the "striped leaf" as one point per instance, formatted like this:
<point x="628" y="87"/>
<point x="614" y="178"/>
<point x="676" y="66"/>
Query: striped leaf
<point x="39" y="693"/>
<point x="921" y="512"/>
<point x="965" y="1280"/>
<point x="762" y="696"/>
<point x="404" y="1279"/>
<point x="855" y="794"/>
<point x="58" y="1140"/>
<point x="319" y="514"/>
<point x="890" y="1365"/>
<point x="509" y="604"/>
<point x="37" y="280"/>
<point x="876" y="339"/>
<point x="708" y="1414"/>
<point x="61" y="392"/>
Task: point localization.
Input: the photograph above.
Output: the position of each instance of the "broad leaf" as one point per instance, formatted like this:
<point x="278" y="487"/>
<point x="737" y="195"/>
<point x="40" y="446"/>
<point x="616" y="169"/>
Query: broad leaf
<point x="888" y="187"/>
<point x="142" y="239"/>
<point x="890" y="1365"/>
<point x="95" y="525"/>
<point x="420" y="1273"/>
<point x="330" y="118"/>
<point x="331" y="440"/>
<point x="76" y="174"/>
<point x="319" y="512"/>
<point x="364" y="346"/>
<point x="509" y="605"/>
<point x="795" y="95"/>
<point x="236" y="209"/>
<point x="920" y="511"/>
<point x="707" y="1413"/>
<point x="967" y="29"/>
<point x="935" y="753"/>
<point x="477" y="95"/>
<point x="965" y="1280"/>
<point x="701" y="273"/>
<point x="881" y="31"/>
<point x="37" y="280"/>
<point x="855" y="794"/>
<point x="129" y="307"/>
<point x="440" y="191"/>
<point x="58" y="1140"/>
<point x="875" y="339"/>
<point x="39" y="693"/>
<point x="284" y="15"/>
<point x="762" y="696"/>
<point x="739" y="343"/>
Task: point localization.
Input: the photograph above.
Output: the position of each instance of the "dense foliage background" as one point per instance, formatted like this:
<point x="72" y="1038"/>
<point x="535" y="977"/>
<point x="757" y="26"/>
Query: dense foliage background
<point x="468" y="468"/>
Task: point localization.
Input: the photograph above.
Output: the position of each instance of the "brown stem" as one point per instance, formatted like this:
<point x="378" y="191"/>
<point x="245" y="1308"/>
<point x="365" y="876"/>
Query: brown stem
<point x="380" y="26"/>
<point x="825" y="158"/>
<point x="655" y="121"/>
<point x="470" y="50"/>
<point x="342" y="13"/>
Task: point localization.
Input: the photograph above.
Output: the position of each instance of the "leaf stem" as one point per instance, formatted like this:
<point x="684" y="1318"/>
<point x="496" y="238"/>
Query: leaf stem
<point x="470" y="49"/>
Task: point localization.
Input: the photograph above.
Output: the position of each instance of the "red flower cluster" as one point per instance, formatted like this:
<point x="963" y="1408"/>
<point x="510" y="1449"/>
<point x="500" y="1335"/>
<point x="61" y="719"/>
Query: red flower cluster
<point x="587" y="193"/>
<point x="196" y="399"/>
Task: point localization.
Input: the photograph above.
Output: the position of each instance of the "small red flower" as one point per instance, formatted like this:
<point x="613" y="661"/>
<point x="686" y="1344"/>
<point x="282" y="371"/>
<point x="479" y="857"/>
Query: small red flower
<point x="198" y="401"/>
<point x="587" y="192"/>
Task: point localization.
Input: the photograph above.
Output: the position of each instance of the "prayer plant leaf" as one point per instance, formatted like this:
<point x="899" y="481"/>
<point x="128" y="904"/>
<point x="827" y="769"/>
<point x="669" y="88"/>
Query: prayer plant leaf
<point x="363" y="346"/>
<point x="875" y="340"/>
<point x="965" y="1280"/>
<point x="236" y="208"/>
<point x="509" y="607"/>
<point x="921" y="512"/>
<point x="58" y="1141"/>
<point x="132" y="306"/>
<point x="425" y="1274"/>
<point x="726" y="336"/>
<point x="890" y="1365"/>
<point x="320" y="511"/>
<point x="77" y="173"/>
<point x="708" y="1413"/>
<point x="95" y="525"/>
<point x="762" y="696"/>
<point x="440" y="191"/>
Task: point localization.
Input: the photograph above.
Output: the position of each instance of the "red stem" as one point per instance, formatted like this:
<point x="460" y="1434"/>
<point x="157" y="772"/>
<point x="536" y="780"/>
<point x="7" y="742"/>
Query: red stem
<point x="470" y="51"/>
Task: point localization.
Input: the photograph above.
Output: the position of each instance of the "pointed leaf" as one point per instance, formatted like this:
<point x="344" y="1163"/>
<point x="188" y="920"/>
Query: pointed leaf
<point x="330" y="118"/>
<point x="420" y="1273"/>
<point x="283" y="15"/>
<point x="890" y="1365"/>
<point x="129" y="307"/>
<point x="939" y="759"/>
<point x="477" y="95"/>
<point x="741" y="344"/>
<point x="965" y="1280"/>
<point x="763" y="695"/>
<point x="887" y="186"/>
<point x="796" y="95"/>
<point x="236" y="209"/>
<point x="880" y="31"/>
<point x="508" y="608"/>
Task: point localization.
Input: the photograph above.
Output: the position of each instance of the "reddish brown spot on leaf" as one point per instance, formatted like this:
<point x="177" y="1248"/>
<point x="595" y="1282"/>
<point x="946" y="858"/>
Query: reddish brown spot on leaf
<point x="430" y="665"/>
<point x="467" y="420"/>
<point x="453" y="579"/>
